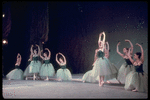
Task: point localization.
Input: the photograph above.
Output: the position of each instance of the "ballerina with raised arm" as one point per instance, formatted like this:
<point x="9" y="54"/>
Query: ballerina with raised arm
<point x="62" y="73"/>
<point x="47" y="69"/>
<point x="35" y="63"/>
<point x="127" y="66"/>
<point x="16" y="73"/>
<point x="137" y="80"/>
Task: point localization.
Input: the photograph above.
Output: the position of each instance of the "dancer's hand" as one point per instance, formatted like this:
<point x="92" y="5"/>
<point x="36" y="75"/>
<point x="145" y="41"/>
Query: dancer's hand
<point x="41" y="50"/>
<point x="118" y="43"/>
<point x="138" y="44"/>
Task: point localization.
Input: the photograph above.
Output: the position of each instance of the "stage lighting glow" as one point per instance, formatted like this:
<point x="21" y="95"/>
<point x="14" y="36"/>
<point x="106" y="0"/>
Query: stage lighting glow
<point x="4" y="42"/>
<point x="3" y="15"/>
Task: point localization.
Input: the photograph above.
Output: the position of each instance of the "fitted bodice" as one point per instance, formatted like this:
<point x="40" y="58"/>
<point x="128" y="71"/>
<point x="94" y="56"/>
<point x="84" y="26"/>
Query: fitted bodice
<point x="63" y="67"/>
<point x="128" y="61"/>
<point x="100" y="54"/>
<point x="17" y="66"/>
<point x="46" y="61"/>
<point x="35" y="58"/>
<point x="139" y="69"/>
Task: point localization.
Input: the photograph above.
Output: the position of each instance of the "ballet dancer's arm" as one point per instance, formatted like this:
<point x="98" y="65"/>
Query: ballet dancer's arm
<point x="107" y="48"/>
<point x="57" y="59"/>
<point x="41" y="55"/>
<point x="31" y="49"/>
<point x="129" y="56"/>
<point x="131" y="46"/>
<point x="142" y="52"/>
<point x="30" y="58"/>
<point x="48" y="52"/>
<point x="38" y="50"/>
<point x="95" y="57"/>
<point x="63" y="58"/>
<point x="118" y="50"/>
<point x="103" y="37"/>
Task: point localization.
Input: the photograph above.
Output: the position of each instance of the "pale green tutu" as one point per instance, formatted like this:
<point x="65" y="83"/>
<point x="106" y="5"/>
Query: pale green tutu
<point x="87" y="77"/>
<point x="123" y="72"/>
<point x="15" y="74"/>
<point x="138" y="81"/>
<point x="103" y="67"/>
<point x="26" y="72"/>
<point x="64" y="74"/>
<point x="35" y="66"/>
<point x="47" y="70"/>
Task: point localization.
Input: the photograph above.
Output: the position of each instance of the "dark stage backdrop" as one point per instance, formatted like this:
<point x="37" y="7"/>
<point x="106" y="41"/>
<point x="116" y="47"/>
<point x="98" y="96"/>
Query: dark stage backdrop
<point x="72" y="28"/>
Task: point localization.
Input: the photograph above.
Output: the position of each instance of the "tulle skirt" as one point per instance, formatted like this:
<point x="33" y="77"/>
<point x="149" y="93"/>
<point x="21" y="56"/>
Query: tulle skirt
<point x="34" y="66"/>
<point x="26" y="72"/>
<point x="15" y="74"/>
<point x="88" y="77"/>
<point x="47" y="70"/>
<point x="123" y="72"/>
<point x="135" y="80"/>
<point x="103" y="67"/>
<point x="64" y="74"/>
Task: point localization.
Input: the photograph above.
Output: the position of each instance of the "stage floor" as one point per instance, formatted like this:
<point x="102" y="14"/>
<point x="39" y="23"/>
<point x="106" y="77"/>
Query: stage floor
<point x="70" y="89"/>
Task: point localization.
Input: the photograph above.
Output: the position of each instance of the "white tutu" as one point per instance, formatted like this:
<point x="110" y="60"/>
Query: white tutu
<point x="136" y="80"/>
<point x="34" y="66"/>
<point x="47" y="70"/>
<point x="26" y="72"/>
<point x="103" y="67"/>
<point x="87" y="77"/>
<point x="64" y="74"/>
<point x="123" y="72"/>
<point x="15" y="74"/>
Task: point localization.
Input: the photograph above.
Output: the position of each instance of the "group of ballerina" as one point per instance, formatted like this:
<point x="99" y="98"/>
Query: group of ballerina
<point x="36" y="68"/>
<point x="130" y="74"/>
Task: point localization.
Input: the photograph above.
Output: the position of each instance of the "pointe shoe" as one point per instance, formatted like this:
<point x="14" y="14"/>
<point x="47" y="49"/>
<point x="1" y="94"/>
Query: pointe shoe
<point x="102" y="83"/>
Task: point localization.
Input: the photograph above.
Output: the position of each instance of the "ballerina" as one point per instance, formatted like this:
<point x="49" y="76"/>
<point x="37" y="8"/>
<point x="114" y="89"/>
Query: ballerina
<point x="47" y="68"/>
<point x="127" y="66"/>
<point x="63" y="73"/>
<point x="16" y="73"/>
<point x="35" y="63"/>
<point x="102" y="66"/>
<point x="136" y="80"/>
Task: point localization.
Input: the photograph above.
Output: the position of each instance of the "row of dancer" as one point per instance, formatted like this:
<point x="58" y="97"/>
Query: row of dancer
<point x="130" y="73"/>
<point x="36" y="68"/>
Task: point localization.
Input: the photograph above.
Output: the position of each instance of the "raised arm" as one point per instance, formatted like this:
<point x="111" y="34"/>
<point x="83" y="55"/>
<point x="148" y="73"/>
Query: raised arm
<point x="38" y="49"/>
<point x="142" y="52"/>
<point x="131" y="48"/>
<point x="118" y="50"/>
<point x="64" y="58"/>
<point x="99" y="37"/>
<point x="129" y="56"/>
<point x="103" y="37"/>
<point x="57" y="59"/>
<point x="31" y="49"/>
<point x="41" y="55"/>
<point x="48" y="52"/>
